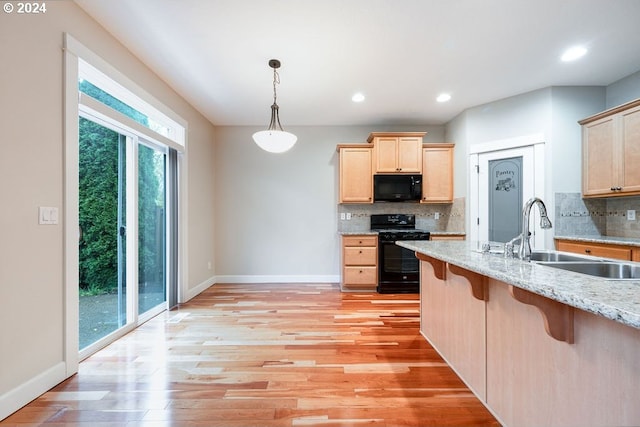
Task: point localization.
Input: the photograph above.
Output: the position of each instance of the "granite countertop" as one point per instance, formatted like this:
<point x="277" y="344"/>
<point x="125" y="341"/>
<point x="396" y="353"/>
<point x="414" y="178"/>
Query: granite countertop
<point x="627" y="241"/>
<point x="618" y="300"/>
<point x="358" y="233"/>
<point x="373" y="232"/>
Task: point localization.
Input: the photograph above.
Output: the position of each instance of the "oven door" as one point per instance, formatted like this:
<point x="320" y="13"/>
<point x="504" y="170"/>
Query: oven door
<point x="399" y="269"/>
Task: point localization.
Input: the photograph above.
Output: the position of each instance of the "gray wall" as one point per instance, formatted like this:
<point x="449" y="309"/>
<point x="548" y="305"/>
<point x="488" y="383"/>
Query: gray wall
<point x="276" y="214"/>
<point x="624" y="90"/>
<point x="553" y="112"/>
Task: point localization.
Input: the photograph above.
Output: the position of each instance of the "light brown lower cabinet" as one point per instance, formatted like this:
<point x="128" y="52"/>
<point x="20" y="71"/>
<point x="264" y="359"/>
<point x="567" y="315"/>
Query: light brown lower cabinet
<point x="359" y="263"/>
<point x="604" y="250"/>
<point x="500" y="348"/>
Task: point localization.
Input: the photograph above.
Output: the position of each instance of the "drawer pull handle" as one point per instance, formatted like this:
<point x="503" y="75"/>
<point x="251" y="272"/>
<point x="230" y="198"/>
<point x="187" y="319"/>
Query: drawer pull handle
<point x="587" y="251"/>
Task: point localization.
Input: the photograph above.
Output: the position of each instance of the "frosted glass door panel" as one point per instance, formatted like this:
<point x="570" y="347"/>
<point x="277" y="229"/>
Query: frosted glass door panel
<point x="505" y="199"/>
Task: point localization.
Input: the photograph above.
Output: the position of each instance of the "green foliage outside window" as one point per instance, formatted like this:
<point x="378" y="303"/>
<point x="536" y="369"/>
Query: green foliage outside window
<point x="100" y="150"/>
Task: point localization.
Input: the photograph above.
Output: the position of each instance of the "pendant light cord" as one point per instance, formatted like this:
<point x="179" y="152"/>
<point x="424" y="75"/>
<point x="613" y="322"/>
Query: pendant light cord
<point x="276" y="80"/>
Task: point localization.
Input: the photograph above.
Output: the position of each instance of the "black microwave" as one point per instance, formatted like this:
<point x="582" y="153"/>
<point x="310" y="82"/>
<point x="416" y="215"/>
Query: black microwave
<point x="397" y="188"/>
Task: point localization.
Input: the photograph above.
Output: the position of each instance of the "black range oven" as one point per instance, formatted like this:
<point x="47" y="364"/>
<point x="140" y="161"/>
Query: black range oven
<point x="398" y="268"/>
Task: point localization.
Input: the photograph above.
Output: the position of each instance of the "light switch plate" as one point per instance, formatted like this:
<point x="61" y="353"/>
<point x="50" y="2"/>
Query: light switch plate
<point x="47" y="215"/>
<point x="631" y="215"/>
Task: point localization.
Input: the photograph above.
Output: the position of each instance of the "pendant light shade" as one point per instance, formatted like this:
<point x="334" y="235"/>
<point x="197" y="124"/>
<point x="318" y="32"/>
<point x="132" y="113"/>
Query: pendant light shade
<point x="275" y="139"/>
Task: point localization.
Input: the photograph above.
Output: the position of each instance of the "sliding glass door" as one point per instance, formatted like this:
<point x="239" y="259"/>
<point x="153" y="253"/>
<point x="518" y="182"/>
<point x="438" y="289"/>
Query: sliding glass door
<point x="123" y="229"/>
<point x="102" y="219"/>
<point x="152" y="225"/>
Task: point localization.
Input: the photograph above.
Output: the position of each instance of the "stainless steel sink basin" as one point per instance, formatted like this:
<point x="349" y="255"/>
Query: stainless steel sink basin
<point x="555" y="256"/>
<point x="604" y="269"/>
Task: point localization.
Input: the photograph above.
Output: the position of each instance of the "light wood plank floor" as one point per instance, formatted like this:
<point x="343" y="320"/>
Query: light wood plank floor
<point x="267" y="355"/>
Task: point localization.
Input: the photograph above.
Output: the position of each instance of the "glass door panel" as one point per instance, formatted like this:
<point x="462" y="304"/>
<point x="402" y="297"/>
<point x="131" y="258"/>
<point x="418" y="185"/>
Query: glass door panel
<point x="151" y="228"/>
<point x="102" y="219"/>
<point x="505" y="199"/>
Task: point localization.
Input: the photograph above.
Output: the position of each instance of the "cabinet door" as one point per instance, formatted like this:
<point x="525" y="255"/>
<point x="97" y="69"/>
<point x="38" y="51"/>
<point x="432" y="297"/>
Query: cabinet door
<point x="386" y="155"/>
<point x="409" y="155"/>
<point x="356" y="179"/>
<point x="630" y="132"/>
<point x="599" y="156"/>
<point x="437" y="175"/>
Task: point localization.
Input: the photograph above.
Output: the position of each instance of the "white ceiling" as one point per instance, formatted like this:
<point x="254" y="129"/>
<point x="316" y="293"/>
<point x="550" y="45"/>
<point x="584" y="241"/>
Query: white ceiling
<point x="400" y="53"/>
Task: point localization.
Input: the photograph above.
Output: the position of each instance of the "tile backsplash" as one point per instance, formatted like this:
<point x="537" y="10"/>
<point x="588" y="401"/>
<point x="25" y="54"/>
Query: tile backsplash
<point x="575" y="216"/>
<point x="450" y="216"/>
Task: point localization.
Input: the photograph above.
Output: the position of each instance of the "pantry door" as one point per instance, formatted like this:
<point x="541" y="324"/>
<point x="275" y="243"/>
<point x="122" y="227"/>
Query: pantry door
<point x="502" y="180"/>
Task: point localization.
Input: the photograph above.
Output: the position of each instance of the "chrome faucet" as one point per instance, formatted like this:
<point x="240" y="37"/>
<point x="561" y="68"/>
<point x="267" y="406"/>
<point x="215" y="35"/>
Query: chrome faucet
<point x="524" y="251"/>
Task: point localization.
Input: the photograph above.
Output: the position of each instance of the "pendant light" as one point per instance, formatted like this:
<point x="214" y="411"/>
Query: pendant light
<point x="274" y="139"/>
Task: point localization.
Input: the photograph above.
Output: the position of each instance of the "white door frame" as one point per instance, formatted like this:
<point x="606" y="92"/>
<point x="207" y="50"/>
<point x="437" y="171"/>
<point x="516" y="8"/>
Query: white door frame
<point x="537" y="141"/>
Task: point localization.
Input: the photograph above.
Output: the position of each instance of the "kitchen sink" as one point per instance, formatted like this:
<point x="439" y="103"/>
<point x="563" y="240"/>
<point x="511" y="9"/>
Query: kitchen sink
<point x="555" y="256"/>
<point x="604" y="269"/>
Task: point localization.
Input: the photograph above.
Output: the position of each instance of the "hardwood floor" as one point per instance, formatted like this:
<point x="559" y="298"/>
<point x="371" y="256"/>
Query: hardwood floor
<point x="267" y="355"/>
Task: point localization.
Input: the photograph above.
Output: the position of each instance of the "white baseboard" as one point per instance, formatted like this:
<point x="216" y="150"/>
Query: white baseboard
<point x="15" y="399"/>
<point x="190" y="293"/>
<point x="278" y="279"/>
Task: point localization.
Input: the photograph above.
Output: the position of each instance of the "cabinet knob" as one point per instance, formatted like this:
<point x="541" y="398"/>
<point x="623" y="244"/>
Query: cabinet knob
<point x="587" y="251"/>
<point x="613" y="188"/>
<point x="359" y="252"/>
<point x="619" y="188"/>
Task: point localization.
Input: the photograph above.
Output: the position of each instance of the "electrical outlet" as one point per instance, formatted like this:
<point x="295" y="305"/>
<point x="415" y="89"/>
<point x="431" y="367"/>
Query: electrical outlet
<point x="436" y="215"/>
<point x="348" y="216"/>
<point x="631" y="215"/>
<point x="343" y="216"/>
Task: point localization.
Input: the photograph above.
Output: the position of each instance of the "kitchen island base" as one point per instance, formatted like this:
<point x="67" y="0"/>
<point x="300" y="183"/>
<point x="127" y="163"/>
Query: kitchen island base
<point x="502" y="348"/>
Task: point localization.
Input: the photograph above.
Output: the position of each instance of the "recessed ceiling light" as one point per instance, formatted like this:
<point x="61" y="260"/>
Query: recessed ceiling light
<point x="358" y="97"/>
<point x="573" y="53"/>
<point x="443" y="97"/>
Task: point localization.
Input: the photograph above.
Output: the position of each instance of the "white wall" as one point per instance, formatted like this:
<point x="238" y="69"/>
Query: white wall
<point x="32" y="172"/>
<point x="276" y="214"/>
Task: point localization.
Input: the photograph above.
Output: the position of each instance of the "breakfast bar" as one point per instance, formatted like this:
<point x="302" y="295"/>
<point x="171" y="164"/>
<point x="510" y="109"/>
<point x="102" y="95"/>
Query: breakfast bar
<point x="538" y="345"/>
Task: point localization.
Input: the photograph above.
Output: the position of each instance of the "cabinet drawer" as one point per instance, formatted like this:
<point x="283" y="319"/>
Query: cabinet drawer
<point x="360" y="276"/>
<point x="360" y="256"/>
<point x="596" y="250"/>
<point x="360" y="240"/>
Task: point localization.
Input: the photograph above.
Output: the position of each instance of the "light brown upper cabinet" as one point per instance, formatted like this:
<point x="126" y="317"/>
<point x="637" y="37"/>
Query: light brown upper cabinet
<point x="611" y="152"/>
<point x="437" y="173"/>
<point x="398" y="152"/>
<point x="356" y="177"/>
